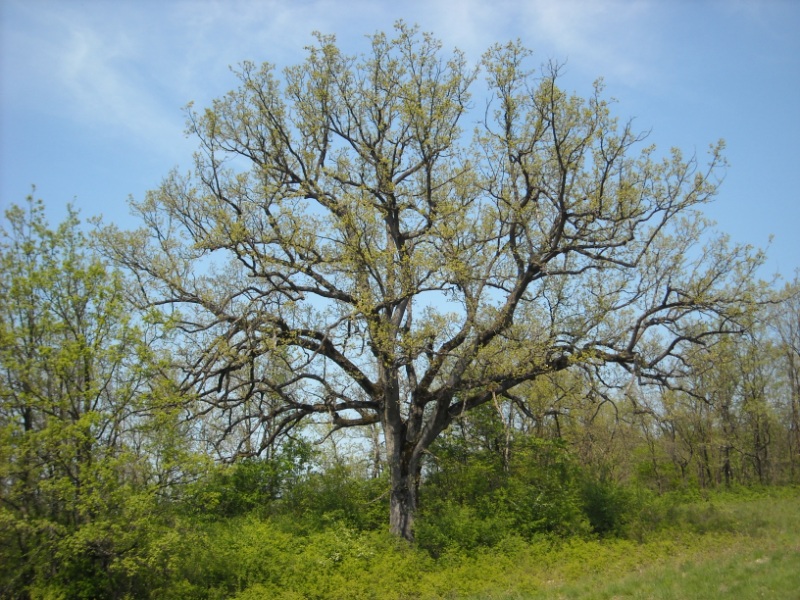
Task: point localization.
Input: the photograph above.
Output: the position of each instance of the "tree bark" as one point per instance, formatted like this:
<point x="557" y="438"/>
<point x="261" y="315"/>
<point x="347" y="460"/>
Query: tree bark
<point x="405" y="469"/>
<point x="403" y="501"/>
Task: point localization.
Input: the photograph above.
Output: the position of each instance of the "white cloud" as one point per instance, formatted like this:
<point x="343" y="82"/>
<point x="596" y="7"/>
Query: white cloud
<point x="128" y="67"/>
<point x="89" y="67"/>
<point x="103" y="75"/>
<point x="609" y="38"/>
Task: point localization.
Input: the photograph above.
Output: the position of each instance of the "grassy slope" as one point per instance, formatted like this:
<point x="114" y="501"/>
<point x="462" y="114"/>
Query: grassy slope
<point x="729" y="549"/>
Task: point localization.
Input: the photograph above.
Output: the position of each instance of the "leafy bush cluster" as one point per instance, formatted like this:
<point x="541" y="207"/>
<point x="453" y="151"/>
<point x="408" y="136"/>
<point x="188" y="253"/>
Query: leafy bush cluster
<point x="287" y="527"/>
<point x="310" y="544"/>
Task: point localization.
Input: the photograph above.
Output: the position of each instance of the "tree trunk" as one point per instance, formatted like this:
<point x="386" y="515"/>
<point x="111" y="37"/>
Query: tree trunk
<point x="404" y="471"/>
<point x="403" y="500"/>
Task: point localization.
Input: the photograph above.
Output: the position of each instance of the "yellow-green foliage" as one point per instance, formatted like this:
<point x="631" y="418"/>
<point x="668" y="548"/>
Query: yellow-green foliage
<point x="247" y="558"/>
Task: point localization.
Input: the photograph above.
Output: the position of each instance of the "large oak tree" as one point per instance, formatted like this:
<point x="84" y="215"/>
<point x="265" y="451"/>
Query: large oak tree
<point x="347" y="248"/>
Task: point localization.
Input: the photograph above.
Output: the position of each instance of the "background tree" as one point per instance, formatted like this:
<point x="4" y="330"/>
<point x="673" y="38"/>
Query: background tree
<point x="786" y="322"/>
<point x="80" y="399"/>
<point x="342" y="251"/>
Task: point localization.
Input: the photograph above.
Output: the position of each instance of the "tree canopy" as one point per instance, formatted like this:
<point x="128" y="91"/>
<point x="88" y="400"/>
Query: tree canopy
<point x="368" y="239"/>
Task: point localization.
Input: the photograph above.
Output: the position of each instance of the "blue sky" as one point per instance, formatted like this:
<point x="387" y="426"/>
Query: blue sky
<point x="92" y="92"/>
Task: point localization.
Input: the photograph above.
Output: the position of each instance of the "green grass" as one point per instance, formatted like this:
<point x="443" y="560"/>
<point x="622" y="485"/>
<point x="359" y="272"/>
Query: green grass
<point x="741" y="546"/>
<point x="728" y="549"/>
<point x="738" y="572"/>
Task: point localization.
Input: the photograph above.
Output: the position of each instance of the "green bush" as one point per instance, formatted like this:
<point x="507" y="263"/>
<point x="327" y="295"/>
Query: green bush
<point x="338" y="494"/>
<point x="451" y="526"/>
<point x="474" y="501"/>
<point x="608" y="505"/>
<point x="252" y="484"/>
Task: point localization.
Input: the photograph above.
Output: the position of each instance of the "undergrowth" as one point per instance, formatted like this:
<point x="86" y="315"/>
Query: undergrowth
<point x="689" y="543"/>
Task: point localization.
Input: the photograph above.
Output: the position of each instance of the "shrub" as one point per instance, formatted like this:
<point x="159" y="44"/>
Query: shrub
<point x="338" y="494"/>
<point x="607" y="505"/>
<point x="475" y="502"/>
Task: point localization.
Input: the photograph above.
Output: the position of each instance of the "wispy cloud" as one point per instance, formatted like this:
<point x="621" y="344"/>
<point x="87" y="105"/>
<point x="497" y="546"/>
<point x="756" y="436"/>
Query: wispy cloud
<point x="611" y="38"/>
<point x="127" y="68"/>
<point x="90" y="68"/>
<point x="105" y="81"/>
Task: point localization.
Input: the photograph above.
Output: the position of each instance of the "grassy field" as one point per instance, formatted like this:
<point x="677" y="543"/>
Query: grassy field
<point x="741" y="547"/>
<point x="734" y="548"/>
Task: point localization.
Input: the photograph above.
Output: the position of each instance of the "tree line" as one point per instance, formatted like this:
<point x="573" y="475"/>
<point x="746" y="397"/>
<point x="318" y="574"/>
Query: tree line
<point x="352" y="289"/>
